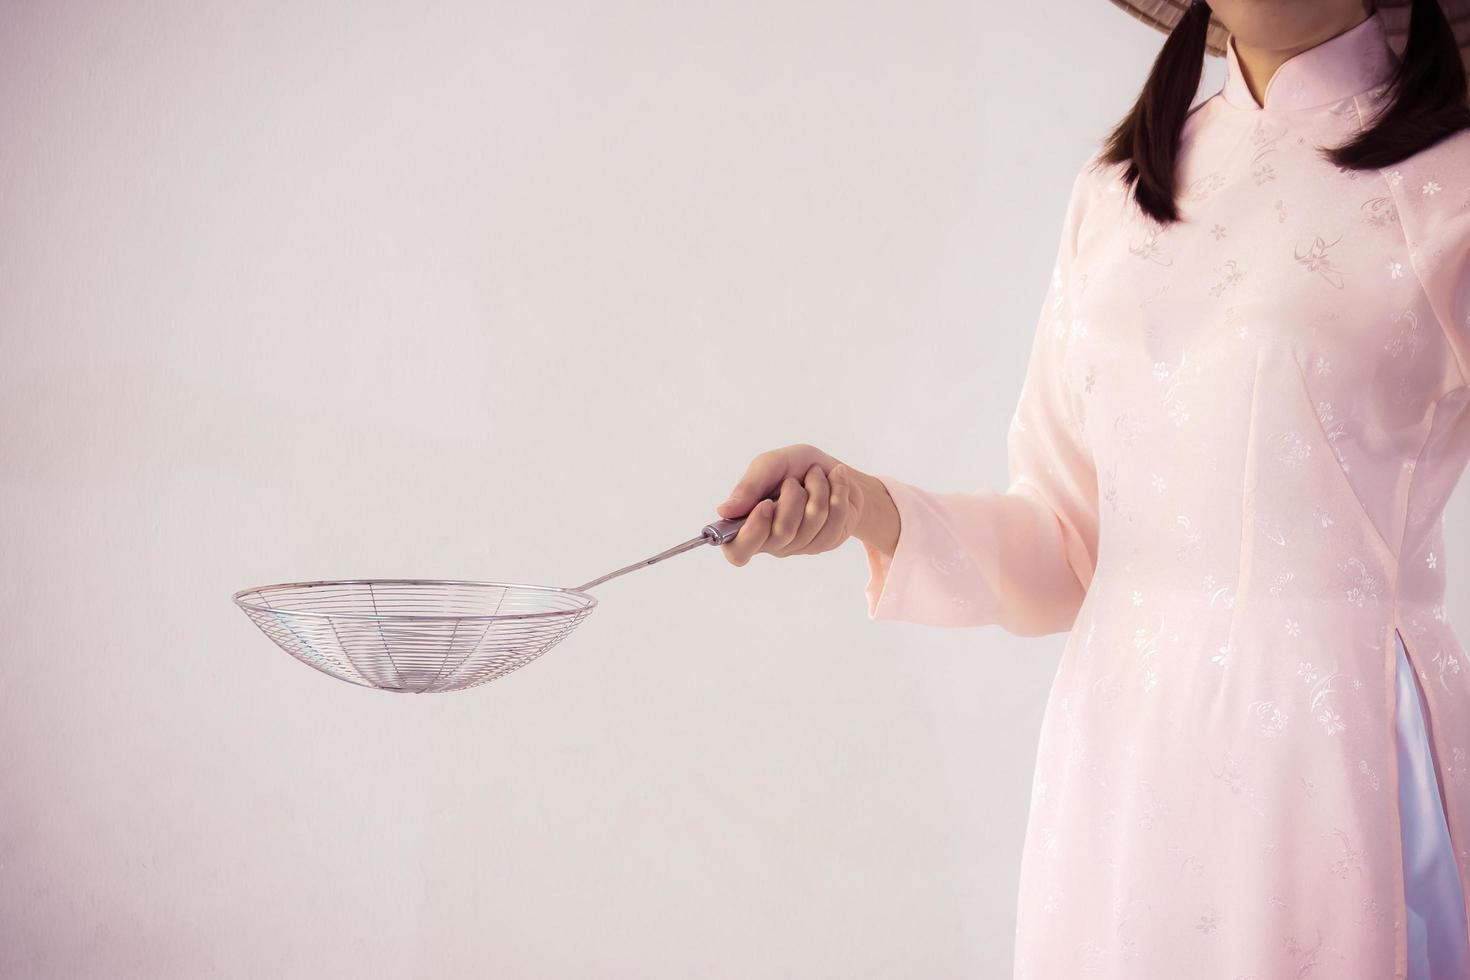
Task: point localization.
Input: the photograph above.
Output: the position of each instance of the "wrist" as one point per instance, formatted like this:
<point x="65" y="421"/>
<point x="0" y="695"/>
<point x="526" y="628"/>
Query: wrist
<point x="878" y="521"/>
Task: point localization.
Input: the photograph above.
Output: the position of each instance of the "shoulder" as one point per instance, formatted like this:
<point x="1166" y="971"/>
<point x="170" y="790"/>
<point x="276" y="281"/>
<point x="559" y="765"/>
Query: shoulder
<point x="1200" y="115"/>
<point x="1099" y="196"/>
<point x="1094" y="179"/>
<point x="1096" y="173"/>
<point x="1448" y="159"/>
<point x="1431" y="189"/>
<point x="1431" y="193"/>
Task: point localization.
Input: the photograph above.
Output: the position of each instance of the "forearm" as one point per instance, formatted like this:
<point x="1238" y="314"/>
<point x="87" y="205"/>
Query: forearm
<point x="878" y="524"/>
<point x="970" y="559"/>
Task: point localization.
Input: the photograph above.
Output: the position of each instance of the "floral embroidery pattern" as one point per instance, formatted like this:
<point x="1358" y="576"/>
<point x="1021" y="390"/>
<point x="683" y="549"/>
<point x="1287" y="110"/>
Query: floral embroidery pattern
<point x="1190" y="534"/>
<point x="1290" y="448"/>
<point x="1316" y="259"/>
<point x="1447" y="663"/>
<point x="1204" y="186"/>
<point x="1379" y="212"/>
<point x="1308" y="957"/>
<point x="1364" y="587"/>
<point x="1147" y="644"/>
<point x="1110" y="487"/>
<point x="1170" y="377"/>
<point x="1151" y="248"/>
<point x="1332" y="428"/>
<point x="1273" y="531"/>
<point x="1265" y="141"/>
<point x="954" y="560"/>
<point x="1406" y="337"/>
<point x="1270" y="720"/>
<point x="1320" y="686"/>
<point x="1189" y="863"/>
<point x="1351" y="859"/>
<point x="1231" y="277"/>
<point x="1280" y="580"/>
<point x="1230" y="775"/>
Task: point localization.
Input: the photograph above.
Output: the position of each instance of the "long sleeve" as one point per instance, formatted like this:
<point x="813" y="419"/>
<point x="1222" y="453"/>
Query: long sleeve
<point x="1023" y="558"/>
<point x="1439" y="240"/>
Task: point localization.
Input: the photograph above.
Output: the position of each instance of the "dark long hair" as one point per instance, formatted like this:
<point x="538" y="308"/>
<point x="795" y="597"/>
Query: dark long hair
<point x="1427" y="101"/>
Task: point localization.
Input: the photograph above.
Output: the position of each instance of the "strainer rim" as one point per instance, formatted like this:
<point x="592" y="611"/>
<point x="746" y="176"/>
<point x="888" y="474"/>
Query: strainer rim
<point x="239" y="599"/>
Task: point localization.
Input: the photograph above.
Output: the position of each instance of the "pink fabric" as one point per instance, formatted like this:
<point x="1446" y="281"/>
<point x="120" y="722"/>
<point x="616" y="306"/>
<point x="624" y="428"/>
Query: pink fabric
<point x="1228" y="463"/>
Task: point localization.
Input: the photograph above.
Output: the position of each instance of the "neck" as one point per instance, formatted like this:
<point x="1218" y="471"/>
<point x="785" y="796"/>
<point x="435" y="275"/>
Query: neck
<point x="1257" y="65"/>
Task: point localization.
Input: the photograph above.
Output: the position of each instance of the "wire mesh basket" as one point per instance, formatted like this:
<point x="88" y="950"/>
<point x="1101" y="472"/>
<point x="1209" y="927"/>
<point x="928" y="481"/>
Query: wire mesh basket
<point x="423" y="636"/>
<point x="415" y="636"/>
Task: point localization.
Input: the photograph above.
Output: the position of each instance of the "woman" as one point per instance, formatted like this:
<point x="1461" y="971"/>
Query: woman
<point x="1247" y="400"/>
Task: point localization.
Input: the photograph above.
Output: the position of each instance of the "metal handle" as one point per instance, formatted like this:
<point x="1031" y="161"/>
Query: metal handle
<point x="716" y="532"/>
<point x="723" y="530"/>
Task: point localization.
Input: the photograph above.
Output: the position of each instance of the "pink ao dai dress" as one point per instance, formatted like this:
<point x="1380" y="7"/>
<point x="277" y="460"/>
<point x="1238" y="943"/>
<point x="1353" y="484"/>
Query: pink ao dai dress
<point x="1228" y="465"/>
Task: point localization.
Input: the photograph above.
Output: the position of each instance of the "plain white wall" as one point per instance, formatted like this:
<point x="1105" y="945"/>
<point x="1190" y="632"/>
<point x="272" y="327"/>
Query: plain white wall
<point x="513" y="291"/>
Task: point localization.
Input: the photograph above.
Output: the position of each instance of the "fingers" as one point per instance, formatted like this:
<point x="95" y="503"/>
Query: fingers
<point x="796" y="500"/>
<point x="787" y="521"/>
<point x="817" y="494"/>
<point x="841" y="516"/>
<point x="761" y="477"/>
<point x="752" y="534"/>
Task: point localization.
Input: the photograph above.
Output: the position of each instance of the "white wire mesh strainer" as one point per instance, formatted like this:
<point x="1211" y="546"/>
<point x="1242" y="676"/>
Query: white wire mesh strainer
<point x="422" y="636"/>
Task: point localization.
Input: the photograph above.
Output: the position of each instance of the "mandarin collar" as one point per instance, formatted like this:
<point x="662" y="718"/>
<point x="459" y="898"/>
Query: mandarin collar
<point x="1342" y="66"/>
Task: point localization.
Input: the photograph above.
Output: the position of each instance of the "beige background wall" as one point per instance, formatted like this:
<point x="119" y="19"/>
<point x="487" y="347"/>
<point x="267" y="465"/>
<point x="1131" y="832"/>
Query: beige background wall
<point x="513" y="291"/>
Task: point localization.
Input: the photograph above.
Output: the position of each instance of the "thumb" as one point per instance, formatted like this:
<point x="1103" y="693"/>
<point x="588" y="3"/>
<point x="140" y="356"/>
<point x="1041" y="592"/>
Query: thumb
<point x="759" y="477"/>
<point x="742" y="499"/>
